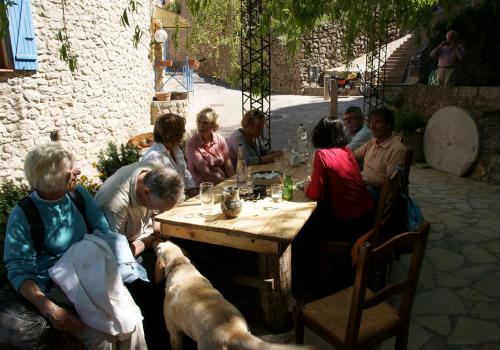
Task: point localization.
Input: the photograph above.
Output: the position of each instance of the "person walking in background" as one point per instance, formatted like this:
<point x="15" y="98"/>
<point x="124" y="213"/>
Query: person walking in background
<point x="168" y="132"/>
<point x="207" y="152"/>
<point x="249" y="136"/>
<point x="449" y="53"/>
<point x="357" y="128"/>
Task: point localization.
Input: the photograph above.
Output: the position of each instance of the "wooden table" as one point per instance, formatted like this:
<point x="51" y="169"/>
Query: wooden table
<point x="263" y="226"/>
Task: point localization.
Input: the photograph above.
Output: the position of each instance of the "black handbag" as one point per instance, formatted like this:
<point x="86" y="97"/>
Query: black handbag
<point x="21" y="325"/>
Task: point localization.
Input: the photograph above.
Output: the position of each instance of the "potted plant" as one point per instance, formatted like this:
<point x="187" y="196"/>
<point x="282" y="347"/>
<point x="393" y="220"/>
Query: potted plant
<point x="194" y="63"/>
<point x="163" y="95"/>
<point x="164" y="63"/>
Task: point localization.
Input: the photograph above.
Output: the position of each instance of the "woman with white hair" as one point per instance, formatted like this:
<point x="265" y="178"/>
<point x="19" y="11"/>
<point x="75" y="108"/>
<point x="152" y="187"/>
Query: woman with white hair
<point x="206" y="151"/>
<point x="52" y="175"/>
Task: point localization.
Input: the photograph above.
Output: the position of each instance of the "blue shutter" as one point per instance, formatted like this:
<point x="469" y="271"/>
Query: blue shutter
<point x="22" y="36"/>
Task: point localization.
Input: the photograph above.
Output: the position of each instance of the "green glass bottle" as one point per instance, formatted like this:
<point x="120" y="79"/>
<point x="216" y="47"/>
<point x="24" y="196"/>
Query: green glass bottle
<point x="288" y="188"/>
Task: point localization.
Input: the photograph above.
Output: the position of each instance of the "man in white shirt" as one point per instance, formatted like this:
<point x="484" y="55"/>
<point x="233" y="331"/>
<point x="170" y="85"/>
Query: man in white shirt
<point x="130" y="198"/>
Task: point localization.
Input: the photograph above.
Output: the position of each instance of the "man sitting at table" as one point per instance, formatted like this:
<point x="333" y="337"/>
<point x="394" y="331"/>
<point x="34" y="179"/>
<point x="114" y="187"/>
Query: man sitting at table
<point x="129" y="200"/>
<point x="383" y="153"/>
<point x="355" y="124"/>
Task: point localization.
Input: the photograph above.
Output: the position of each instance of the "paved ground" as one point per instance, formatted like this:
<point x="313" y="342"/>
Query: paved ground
<point x="458" y="301"/>
<point x="287" y="111"/>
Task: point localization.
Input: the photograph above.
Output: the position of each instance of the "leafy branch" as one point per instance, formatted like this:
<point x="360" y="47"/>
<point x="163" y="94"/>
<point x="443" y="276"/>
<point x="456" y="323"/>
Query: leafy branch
<point x="66" y="54"/>
<point x="4" y="20"/>
<point x="133" y="7"/>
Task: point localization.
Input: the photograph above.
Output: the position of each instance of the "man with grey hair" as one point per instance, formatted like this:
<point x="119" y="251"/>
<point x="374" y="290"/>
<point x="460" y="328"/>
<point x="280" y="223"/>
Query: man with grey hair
<point x="448" y="53"/>
<point x="130" y="198"/>
<point x="359" y="131"/>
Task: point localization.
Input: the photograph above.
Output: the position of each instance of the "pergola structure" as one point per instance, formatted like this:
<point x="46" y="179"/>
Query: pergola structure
<point x="375" y="67"/>
<point x="255" y="64"/>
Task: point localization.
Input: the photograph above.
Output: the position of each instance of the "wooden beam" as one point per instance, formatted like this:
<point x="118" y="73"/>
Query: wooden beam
<point x="220" y="238"/>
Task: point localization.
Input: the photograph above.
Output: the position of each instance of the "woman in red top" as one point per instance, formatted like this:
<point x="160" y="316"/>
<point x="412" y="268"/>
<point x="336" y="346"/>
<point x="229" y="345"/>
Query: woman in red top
<point x="337" y="185"/>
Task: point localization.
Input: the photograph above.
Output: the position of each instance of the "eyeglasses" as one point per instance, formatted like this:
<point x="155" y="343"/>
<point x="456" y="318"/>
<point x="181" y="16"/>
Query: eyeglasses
<point x="204" y="122"/>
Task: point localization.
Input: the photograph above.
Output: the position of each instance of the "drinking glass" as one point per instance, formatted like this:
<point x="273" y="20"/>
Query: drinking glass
<point x="278" y="164"/>
<point x="276" y="192"/>
<point x="207" y="198"/>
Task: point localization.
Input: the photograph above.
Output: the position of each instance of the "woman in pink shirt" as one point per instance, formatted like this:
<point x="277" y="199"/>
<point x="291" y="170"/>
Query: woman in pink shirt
<point x="206" y="151"/>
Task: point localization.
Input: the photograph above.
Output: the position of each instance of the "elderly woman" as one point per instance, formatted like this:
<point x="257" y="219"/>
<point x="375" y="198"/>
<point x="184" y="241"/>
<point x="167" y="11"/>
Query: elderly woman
<point x="206" y="151"/>
<point x="168" y="133"/>
<point x="336" y="183"/>
<point x="52" y="175"/>
<point x="249" y="136"/>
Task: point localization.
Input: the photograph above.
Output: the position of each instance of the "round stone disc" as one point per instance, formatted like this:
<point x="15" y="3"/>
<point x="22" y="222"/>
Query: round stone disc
<point x="451" y="141"/>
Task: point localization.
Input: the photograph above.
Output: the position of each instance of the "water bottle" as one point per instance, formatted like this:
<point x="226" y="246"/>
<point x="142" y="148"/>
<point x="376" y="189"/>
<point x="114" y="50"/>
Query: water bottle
<point x="302" y="147"/>
<point x="241" y="167"/>
<point x="288" y="188"/>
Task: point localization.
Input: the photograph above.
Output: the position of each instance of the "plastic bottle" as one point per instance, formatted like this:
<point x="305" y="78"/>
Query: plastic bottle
<point x="288" y="188"/>
<point x="302" y="147"/>
<point x="301" y="133"/>
<point x="241" y="167"/>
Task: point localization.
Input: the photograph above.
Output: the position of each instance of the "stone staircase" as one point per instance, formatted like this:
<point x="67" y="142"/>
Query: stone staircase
<point x="397" y="62"/>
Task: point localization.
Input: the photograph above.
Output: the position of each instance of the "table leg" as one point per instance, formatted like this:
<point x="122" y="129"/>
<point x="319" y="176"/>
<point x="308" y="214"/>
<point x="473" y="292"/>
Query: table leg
<point x="276" y="302"/>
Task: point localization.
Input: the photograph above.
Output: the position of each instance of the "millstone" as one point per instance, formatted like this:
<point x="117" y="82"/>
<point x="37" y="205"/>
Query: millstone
<point x="451" y="141"/>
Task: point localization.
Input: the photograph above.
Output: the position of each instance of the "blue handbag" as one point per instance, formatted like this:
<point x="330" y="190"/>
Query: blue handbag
<point x="415" y="216"/>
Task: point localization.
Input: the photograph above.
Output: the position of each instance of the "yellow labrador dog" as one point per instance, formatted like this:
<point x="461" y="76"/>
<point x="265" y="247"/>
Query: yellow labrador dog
<point x="194" y="307"/>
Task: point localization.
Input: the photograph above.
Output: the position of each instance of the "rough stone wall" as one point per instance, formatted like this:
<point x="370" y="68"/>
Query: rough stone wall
<point x="323" y="48"/>
<point x="107" y="99"/>
<point x="483" y="101"/>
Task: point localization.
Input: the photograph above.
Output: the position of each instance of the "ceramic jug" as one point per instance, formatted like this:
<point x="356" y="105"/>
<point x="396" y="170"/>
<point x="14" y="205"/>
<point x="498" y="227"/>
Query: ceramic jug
<point x="231" y="204"/>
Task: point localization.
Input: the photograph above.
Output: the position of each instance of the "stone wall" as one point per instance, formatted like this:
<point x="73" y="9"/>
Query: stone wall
<point x="484" y="102"/>
<point x="322" y="49"/>
<point x="107" y="99"/>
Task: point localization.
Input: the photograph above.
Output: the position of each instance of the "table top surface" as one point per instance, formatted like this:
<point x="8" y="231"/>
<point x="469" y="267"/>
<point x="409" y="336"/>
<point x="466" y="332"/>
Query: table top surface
<point x="258" y="220"/>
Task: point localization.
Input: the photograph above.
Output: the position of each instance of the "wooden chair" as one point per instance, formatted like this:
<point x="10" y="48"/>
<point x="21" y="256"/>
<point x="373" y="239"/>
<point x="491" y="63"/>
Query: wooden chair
<point x="388" y="195"/>
<point x="356" y="317"/>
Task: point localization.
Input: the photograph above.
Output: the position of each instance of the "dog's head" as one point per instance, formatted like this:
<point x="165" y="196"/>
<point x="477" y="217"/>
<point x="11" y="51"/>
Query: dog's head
<point x="169" y="256"/>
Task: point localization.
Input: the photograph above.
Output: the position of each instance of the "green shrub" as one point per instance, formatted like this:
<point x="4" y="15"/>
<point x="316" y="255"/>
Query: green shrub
<point x="111" y="159"/>
<point x="11" y="191"/>
<point x="408" y="121"/>
<point x="89" y="185"/>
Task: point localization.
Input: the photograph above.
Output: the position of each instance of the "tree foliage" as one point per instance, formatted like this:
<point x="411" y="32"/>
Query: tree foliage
<point x="215" y="32"/>
<point x="291" y="20"/>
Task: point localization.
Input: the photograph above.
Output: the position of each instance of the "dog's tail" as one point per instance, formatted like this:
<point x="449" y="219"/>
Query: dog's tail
<point x="247" y="341"/>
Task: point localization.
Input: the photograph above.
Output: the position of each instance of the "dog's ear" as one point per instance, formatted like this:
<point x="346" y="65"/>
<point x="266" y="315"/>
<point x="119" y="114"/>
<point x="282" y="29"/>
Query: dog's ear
<point x="159" y="270"/>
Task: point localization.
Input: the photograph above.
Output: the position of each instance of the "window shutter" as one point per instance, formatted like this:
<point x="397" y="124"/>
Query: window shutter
<point x="22" y="36"/>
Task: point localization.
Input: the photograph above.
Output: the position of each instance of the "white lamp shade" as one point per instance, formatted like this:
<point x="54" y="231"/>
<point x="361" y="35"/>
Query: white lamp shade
<point x="161" y="35"/>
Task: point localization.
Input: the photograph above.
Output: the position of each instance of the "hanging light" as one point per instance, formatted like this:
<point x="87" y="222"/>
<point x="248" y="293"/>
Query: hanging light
<point x="161" y="35"/>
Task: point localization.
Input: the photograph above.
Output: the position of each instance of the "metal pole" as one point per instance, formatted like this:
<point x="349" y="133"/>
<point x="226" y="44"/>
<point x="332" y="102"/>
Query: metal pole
<point x="334" y="98"/>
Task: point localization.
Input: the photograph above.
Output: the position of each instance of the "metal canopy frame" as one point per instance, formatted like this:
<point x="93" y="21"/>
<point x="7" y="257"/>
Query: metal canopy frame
<point x="255" y="46"/>
<point x="375" y="68"/>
